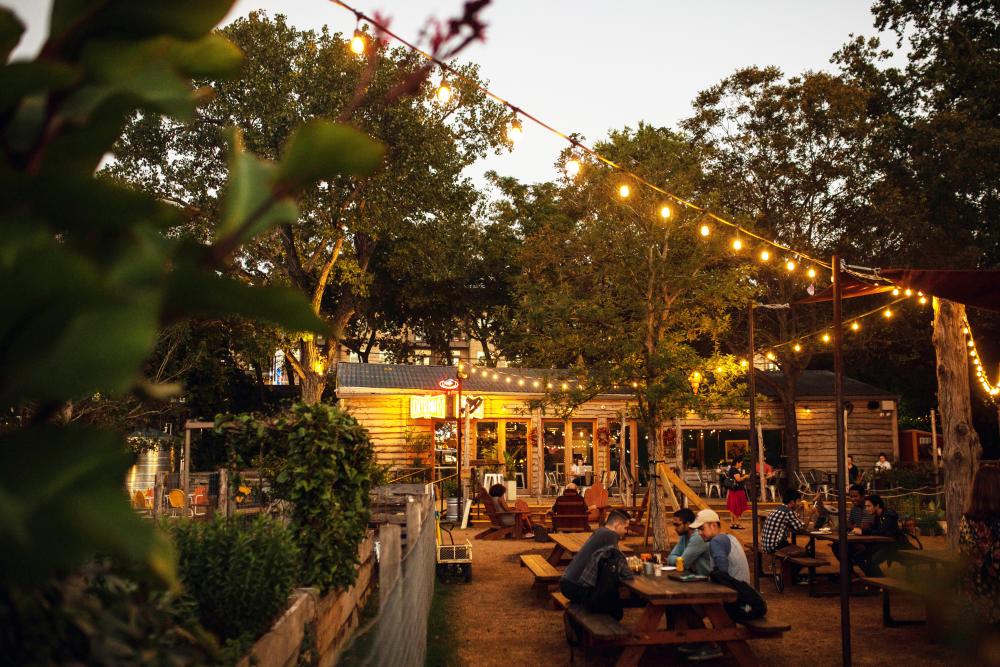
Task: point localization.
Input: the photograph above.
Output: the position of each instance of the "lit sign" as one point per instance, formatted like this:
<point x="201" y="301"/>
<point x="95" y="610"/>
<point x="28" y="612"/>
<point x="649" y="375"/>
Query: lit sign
<point x="448" y="384"/>
<point x="477" y="412"/>
<point x="427" y="407"/>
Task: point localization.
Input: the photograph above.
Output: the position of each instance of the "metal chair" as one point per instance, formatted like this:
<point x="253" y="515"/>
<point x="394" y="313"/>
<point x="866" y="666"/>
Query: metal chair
<point x="819" y="482"/>
<point x="804" y="485"/>
<point x="713" y="483"/>
<point x="491" y="478"/>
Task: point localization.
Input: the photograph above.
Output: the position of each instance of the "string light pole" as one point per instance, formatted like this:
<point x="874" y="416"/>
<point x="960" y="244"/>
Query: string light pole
<point x="754" y="446"/>
<point x="838" y="402"/>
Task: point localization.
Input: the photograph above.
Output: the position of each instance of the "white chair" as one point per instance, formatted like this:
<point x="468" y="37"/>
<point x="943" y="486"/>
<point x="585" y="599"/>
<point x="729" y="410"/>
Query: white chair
<point x="491" y="478"/>
<point x="712" y="484"/>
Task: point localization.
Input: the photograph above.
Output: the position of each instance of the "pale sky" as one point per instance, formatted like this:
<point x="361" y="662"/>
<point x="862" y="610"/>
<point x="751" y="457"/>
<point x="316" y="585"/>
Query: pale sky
<point x="588" y="66"/>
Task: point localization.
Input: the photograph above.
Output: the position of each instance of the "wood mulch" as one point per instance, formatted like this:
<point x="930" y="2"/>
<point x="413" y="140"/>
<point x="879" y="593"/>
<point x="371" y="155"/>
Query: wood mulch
<point x="498" y="620"/>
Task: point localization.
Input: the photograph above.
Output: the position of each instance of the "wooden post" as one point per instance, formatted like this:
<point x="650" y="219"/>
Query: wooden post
<point x="755" y="449"/>
<point x="224" y="504"/>
<point x="838" y="406"/>
<point x="390" y="557"/>
<point x="158" y="484"/>
<point x="185" y="471"/>
<point x="414" y="518"/>
<point x="934" y="444"/>
<point x="961" y="442"/>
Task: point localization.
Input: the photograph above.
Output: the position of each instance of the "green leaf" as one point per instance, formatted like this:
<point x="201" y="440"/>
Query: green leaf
<point x="61" y="502"/>
<point x="20" y="79"/>
<point x="250" y="194"/>
<point x="320" y="149"/>
<point x="211" y="56"/>
<point x="193" y="292"/>
<point x="187" y="19"/>
<point x="11" y="30"/>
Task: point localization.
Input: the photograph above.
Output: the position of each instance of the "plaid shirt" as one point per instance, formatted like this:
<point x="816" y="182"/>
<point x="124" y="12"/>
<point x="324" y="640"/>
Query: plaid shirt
<point x="776" y="527"/>
<point x="616" y="560"/>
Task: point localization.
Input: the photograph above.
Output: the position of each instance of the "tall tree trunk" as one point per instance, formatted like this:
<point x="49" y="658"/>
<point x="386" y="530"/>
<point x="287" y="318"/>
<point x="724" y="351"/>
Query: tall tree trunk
<point x="791" y="440"/>
<point x="313" y="385"/>
<point x="961" y="442"/>
<point x="660" y="516"/>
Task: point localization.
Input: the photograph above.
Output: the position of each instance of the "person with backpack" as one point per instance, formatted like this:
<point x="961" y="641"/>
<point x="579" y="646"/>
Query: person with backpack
<point x="731" y="569"/>
<point x="736" y="498"/>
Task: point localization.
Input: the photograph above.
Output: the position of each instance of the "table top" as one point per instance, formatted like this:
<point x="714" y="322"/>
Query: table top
<point x="573" y="542"/>
<point x="663" y="589"/>
<point x="935" y="556"/>
<point x="834" y="536"/>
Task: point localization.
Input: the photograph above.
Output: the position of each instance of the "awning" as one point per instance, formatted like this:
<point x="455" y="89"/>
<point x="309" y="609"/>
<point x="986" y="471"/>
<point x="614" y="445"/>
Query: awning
<point x="979" y="289"/>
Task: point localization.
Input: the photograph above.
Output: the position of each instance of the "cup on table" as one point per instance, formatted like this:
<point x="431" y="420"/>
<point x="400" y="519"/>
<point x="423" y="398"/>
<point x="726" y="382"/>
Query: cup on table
<point x="649" y="567"/>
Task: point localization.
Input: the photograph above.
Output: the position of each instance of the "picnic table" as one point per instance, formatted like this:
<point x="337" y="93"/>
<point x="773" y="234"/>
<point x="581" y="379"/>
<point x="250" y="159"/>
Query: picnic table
<point x="933" y="557"/>
<point x="570" y="543"/>
<point x="674" y="601"/>
<point x="834" y="535"/>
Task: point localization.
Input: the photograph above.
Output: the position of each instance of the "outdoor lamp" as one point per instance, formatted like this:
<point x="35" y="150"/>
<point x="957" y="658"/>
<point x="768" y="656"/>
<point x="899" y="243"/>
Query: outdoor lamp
<point x="695" y="381"/>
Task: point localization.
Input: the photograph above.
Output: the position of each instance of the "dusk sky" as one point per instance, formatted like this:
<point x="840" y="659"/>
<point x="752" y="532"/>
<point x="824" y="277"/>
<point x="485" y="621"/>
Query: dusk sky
<point x="587" y="66"/>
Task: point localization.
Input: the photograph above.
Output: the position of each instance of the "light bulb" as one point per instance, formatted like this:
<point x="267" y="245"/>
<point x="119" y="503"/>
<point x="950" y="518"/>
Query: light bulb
<point x="797" y="347"/>
<point x="548" y="386"/>
<point x="744" y="363"/>
<point x="826" y="338"/>
<point x="572" y="167"/>
<point x="908" y="292"/>
<point x="770" y="355"/>
<point x="765" y="255"/>
<point x="495" y="376"/>
<point x="737" y="244"/>
<point x="965" y="330"/>
<point x="534" y="384"/>
<point x="635" y="385"/>
<point x="895" y="292"/>
<point x="811" y="272"/>
<point x="508" y="379"/>
<point x="565" y="386"/>
<point x="664" y="211"/>
<point x="358" y="44"/>
<point x="855" y="326"/>
<point x="515" y="131"/>
<point x="624" y="191"/>
<point x="970" y="343"/>
<point x="444" y="93"/>
<point x="922" y="300"/>
<point x="790" y="265"/>
<point x="887" y="312"/>
<point x="704" y="231"/>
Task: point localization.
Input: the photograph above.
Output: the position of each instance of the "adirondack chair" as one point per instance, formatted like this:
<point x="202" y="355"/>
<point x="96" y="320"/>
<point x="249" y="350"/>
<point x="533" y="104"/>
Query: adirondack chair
<point x="569" y="513"/>
<point x="636" y="524"/>
<point x="497" y="529"/>
<point x="596" y="498"/>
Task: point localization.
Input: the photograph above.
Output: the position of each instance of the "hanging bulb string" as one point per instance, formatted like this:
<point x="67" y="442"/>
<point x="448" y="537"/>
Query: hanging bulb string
<point x="820" y="332"/>
<point x="576" y="143"/>
<point x="991" y="389"/>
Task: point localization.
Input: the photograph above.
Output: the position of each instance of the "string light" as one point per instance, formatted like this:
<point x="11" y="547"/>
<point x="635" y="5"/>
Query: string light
<point x="624" y="191"/>
<point x="855" y="326"/>
<point x="744" y="363"/>
<point x="515" y="132"/>
<point x="790" y="265"/>
<point x="737" y="244"/>
<point x="826" y="338"/>
<point x="572" y="167"/>
<point x="443" y="93"/>
<point x="895" y="291"/>
<point x="811" y="272"/>
<point x="797" y="347"/>
<point x="664" y="211"/>
<point x="922" y="300"/>
<point x="765" y="255"/>
<point x="990" y="388"/>
<point x="770" y="355"/>
<point x="358" y="44"/>
<point x="887" y="313"/>
<point x="704" y="230"/>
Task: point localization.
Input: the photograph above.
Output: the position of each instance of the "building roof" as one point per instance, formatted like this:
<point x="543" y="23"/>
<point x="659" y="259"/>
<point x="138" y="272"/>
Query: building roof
<point x="820" y="384"/>
<point x="354" y="376"/>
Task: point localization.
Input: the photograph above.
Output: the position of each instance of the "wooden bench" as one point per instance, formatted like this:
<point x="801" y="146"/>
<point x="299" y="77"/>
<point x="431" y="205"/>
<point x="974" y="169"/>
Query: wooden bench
<point x="890" y="585"/>
<point x="809" y="564"/>
<point x="545" y="574"/>
<point x="559" y="601"/>
<point x="767" y="626"/>
<point x="592" y="630"/>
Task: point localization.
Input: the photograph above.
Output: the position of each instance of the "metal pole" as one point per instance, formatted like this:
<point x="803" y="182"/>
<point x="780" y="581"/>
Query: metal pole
<point x="838" y="391"/>
<point x="458" y="458"/>
<point x="754" y="443"/>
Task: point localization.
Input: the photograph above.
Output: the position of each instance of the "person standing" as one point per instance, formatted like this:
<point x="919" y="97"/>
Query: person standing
<point x="736" y="499"/>
<point x="979" y="545"/>
<point x="852" y="470"/>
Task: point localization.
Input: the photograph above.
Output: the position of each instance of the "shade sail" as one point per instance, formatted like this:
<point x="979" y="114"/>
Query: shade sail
<point x="979" y="289"/>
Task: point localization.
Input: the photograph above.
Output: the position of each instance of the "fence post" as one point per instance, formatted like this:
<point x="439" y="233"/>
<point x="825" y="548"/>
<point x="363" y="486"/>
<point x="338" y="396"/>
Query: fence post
<point x="390" y="557"/>
<point x="158" y="492"/>
<point x="224" y="492"/>
<point x="414" y="517"/>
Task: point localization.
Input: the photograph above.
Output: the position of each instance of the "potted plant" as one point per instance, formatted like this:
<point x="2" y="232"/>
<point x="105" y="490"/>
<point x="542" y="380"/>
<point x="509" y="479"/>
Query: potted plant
<point x="510" y="473"/>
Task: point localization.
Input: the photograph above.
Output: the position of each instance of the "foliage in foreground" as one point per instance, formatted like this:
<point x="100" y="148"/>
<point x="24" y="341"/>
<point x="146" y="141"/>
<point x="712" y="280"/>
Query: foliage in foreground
<point x="321" y="461"/>
<point x="238" y="573"/>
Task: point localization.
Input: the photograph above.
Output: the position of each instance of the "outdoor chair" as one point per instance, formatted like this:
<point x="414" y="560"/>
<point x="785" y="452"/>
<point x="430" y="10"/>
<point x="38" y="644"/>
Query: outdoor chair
<point x="635" y="524"/>
<point x="819" y="482"/>
<point x="552" y="483"/>
<point x="175" y="501"/>
<point x="596" y="498"/>
<point x="491" y="478"/>
<point x="804" y="485"/>
<point x="714" y="484"/>
<point x="199" y="501"/>
<point x="497" y="530"/>
<point x="569" y="513"/>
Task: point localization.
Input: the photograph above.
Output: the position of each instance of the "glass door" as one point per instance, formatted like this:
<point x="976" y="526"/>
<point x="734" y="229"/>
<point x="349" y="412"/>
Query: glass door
<point x="553" y="446"/>
<point x="583" y="452"/>
<point x="516" y="448"/>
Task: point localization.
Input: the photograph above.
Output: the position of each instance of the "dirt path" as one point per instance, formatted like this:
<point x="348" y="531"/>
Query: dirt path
<point x="497" y="620"/>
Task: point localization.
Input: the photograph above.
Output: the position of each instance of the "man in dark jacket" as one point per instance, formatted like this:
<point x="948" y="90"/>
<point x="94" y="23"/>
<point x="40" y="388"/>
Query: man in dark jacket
<point x="885" y="523"/>
<point x="593" y="576"/>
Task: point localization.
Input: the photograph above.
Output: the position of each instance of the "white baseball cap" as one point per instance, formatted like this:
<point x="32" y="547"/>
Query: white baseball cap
<point x="705" y="516"/>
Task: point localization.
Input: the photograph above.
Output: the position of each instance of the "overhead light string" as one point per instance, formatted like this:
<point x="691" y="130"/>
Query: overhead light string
<point x="992" y="389"/>
<point x="623" y="189"/>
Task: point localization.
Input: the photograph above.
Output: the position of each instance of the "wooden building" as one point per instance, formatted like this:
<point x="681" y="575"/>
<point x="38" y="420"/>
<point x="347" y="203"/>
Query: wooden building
<point x="407" y="408"/>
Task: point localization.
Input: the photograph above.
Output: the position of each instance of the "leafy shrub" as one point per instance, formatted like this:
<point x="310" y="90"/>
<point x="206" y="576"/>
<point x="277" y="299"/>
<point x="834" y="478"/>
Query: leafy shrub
<point x="239" y="573"/>
<point x="325" y="468"/>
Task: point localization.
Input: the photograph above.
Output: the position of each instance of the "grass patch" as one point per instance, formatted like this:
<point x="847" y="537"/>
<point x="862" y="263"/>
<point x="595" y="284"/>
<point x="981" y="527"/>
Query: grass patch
<point x="441" y="645"/>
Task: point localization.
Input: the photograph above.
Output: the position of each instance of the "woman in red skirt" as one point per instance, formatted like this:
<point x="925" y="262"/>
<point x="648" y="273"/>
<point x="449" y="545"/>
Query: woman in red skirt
<point x="736" y="499"/>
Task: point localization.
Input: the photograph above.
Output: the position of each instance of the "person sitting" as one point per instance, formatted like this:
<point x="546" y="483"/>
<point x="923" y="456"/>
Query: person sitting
<point x="859" y="518"/>
<point x="569" y="512"/>
<point x="690" y="547"/>
<point x="730" y="568"/>
<point x="884" y="523"/>
<point x="593" y="576"/>
<point x="882" y="465"/>
<point x="852" y="470"/>
<point x="498" y="492"/>
<point x="775" y="534"/>
<point x="579" y="471"/>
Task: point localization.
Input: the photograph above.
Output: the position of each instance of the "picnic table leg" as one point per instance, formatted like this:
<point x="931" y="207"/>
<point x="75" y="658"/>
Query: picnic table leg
<point x="631" y="656"/>
<point x="740" y="649"/>
<point x="557" y="553"/>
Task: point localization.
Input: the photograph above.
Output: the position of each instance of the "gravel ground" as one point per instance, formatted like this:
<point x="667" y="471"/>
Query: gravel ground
<point x="498" y="620"/>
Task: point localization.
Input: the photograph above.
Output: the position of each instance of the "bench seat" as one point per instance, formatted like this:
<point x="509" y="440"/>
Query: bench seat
<point x="600" y="627"/>
<point x="541" y="568"/>
<point x="767" y="625"/>
<point x="892" y="585"/>
<point x="559" y="601"/>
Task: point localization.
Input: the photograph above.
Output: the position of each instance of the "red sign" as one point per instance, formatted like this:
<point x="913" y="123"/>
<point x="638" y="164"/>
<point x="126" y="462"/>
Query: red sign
<point x="448" y="384"/>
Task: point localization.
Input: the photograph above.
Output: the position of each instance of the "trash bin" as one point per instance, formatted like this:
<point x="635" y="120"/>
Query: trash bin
<point x="451" y="512"/>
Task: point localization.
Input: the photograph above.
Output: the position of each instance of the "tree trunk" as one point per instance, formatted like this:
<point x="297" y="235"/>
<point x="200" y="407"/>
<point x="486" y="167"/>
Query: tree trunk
<point x="961" y="442"/>
<point x="660" y="517"/>
<point x="791" y="432"/>
<point x="313" y="385"/>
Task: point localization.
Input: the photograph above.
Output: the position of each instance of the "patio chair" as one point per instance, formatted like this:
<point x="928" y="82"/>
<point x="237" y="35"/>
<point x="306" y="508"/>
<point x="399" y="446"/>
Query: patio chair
<point x="139" y="502"/>
<point x="199" y="501"/>
<point x="596" y="498"/>
<point x="772" y="486"/>
<point x="570" y="513"/>
<point x="175" y="501"/>
<point x="491" y="478"/>
<point x="819" y="482"/>
<point x="497" y="530"/>
<point x="711" y="483"/>
<point x="804" y="485"/>
<point x="552" y="483"/>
